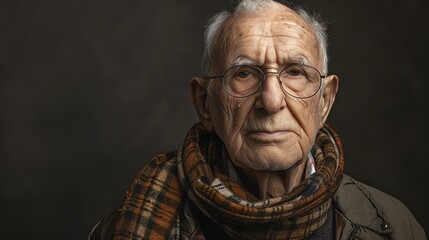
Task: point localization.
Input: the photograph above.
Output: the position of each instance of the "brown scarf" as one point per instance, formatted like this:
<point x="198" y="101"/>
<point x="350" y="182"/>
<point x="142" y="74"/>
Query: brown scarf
<point x="152" y="206"/>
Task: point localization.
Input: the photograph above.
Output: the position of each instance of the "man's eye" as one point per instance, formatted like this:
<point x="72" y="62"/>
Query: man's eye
<point x="295" y="72"/>
<point x="242" y="74"/>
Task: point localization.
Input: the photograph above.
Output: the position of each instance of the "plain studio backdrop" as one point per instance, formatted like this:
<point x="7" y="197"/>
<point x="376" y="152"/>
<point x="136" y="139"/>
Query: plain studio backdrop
<point x="90" y="90"/>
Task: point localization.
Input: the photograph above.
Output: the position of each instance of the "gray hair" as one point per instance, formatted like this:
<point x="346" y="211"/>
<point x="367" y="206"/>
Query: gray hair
<point x="215" y="24"/>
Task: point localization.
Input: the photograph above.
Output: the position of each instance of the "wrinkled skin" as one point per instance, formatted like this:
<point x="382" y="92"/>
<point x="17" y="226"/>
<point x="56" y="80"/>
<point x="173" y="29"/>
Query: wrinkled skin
<point x="267" y="135"/>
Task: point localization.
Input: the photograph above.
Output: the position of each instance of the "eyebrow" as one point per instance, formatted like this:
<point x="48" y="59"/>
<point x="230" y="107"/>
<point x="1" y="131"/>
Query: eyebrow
<point x="298" y="59"/>
<point x="242" y="61"/>
<point x="291" y="60"/>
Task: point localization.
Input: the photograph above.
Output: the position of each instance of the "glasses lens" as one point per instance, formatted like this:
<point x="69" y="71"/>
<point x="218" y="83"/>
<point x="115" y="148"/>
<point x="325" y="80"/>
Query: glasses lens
<point x="300" y="81"/>
<point x="242" y="81"/>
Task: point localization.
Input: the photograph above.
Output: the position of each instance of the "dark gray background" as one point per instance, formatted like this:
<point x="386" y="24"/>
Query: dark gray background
<point x="90" y="90"/>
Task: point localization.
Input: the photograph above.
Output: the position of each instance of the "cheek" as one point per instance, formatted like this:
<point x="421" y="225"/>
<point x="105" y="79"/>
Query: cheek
<point x="228" y="116"/>
<point x="222" y="110"/>
<point x="307" y="114"/>
<point x="221" y="115"/>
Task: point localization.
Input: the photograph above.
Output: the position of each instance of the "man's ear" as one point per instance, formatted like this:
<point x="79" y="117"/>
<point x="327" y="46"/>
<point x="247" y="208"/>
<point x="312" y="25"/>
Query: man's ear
<point x="199" y="98"/>
<point x="328" y="96"/>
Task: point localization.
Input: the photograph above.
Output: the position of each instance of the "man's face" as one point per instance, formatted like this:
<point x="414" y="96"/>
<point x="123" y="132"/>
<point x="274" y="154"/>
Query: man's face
<point x="268" y="130"/>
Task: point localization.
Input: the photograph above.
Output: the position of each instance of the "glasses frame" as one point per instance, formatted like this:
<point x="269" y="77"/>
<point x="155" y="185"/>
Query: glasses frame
<point x="261" y="83"/>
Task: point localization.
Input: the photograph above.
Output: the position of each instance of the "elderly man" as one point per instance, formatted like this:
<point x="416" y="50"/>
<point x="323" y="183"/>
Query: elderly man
<point x="262" y="163"/>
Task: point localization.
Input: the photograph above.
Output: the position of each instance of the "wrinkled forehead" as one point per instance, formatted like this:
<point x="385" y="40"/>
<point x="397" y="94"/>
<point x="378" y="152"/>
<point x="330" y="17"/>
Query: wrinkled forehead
<point x="279" y="22"/>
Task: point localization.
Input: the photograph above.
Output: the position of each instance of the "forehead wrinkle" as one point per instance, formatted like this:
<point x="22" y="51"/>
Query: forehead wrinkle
<point x="292" y="52"/>
<point x="270" y="53"/>
<point x="273" y="30"/>
<point x="293" y="37"/>
<point x="305" y="38"/>
<point x="289" y="54"/>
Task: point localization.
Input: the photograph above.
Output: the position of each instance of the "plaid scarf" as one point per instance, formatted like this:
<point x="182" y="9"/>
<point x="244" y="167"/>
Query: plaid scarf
<point x="152" y="207"/>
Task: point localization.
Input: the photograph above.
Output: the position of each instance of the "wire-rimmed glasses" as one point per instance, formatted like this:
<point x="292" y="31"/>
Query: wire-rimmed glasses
<point x="297" y="80"/>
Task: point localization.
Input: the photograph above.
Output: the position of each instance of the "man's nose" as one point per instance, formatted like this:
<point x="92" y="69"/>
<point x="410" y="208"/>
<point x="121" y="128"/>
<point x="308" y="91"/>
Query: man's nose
<point x="272" y="97"/>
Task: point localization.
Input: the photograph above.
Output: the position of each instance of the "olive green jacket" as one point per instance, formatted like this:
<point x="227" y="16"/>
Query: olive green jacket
<point x="367" y="213"/>
<point x="361" y="212"/>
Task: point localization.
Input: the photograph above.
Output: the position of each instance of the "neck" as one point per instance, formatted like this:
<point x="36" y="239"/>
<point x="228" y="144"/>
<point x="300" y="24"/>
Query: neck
<point x="271" y="184"/>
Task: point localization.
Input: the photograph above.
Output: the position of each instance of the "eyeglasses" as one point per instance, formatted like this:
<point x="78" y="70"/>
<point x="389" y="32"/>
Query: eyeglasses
<point x="297" y="80"/>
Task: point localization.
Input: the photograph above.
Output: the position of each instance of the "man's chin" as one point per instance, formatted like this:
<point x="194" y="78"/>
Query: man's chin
<point x="269" y="164"/>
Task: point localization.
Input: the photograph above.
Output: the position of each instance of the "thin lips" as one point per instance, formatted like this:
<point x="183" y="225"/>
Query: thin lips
<point x="265" y="131"/>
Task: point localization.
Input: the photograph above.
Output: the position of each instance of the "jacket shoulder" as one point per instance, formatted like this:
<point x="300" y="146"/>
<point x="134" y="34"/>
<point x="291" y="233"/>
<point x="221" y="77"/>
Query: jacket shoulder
<point x="369" y="209"/>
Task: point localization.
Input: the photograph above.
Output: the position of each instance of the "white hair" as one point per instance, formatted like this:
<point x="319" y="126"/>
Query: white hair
<point x="211" y="38"/>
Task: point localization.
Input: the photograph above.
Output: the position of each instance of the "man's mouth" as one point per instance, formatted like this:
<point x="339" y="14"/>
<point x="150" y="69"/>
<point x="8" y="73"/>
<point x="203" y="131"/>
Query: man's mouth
<point x="268" y="136"/>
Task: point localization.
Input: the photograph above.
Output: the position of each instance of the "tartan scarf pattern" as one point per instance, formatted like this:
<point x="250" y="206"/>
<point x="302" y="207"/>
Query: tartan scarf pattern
<point x="152" y="206"/>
